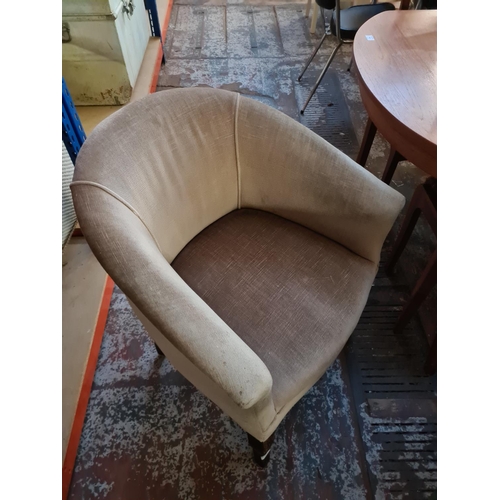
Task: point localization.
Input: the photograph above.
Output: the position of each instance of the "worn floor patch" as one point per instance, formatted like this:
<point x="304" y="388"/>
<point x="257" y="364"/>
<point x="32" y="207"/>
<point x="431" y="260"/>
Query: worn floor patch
<point x="258" y="51"/>
<point x="327" y="113"/>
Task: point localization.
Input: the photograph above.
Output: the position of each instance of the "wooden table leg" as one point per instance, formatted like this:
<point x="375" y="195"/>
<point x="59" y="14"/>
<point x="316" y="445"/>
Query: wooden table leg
<point x="424" y="201"/>
<point x="367" y="142"/>
<point x="411" y="218"/>
<point x="424" y="285"/>
<point x="392" y="163"/>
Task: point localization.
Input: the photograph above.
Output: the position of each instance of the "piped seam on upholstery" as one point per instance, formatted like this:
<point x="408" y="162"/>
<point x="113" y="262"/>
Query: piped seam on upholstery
<point x="121" y="200"/>
<point x="236" y="147"/>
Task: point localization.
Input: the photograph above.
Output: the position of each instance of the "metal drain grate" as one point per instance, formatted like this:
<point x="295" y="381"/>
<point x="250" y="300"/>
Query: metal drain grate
<point x="395" y="401"/>
<point x="327" y="114"/>
<point x="403" y="459"/>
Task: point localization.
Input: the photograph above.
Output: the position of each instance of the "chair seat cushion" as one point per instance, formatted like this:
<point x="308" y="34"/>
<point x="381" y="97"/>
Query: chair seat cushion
<point x="293" y="295"/>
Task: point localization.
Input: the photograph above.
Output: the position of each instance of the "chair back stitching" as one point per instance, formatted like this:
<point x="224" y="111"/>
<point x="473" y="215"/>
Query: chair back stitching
<point x="121" y="200"/>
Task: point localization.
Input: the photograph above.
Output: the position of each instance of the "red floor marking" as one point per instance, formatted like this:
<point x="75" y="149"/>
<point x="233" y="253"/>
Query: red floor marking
<point x="83" y="399"/>
<point x="81" y="407"/>
<point x="156" y="72"/>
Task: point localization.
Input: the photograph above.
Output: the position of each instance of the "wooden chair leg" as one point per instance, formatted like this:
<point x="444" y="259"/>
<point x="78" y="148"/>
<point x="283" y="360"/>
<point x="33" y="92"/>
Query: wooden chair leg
<point x="431" y="363"/>
<point x="424" y="285"/>
<point x="392" y="163"/>
<point x="158" y="350"/>
<point x="366" y="143"/>
<point x="412" y="214"/>
<point x="423" y="201"/>
<point x="261" y="450"/>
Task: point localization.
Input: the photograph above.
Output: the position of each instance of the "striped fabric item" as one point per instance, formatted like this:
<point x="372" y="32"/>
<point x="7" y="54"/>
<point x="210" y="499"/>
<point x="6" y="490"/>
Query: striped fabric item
<point x="68" y="211"/>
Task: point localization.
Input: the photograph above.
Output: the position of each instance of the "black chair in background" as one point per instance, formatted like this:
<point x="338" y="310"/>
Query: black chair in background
<point x="349" y="20"/>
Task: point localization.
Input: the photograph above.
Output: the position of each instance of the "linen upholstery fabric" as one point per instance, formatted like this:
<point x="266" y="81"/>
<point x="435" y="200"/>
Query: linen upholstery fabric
<point x="171" y="157"/>
<point x="124" y="246"/>
<point x="289" y="170"/>
<point x="291" y="294"/>
<point x="159" y="171"/>
<point x="260" y="420"/>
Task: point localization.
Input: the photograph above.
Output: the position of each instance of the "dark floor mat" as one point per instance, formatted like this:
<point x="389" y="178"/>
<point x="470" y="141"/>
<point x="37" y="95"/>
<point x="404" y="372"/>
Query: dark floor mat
<point x="395" y="400"/>
<point x="327" y="113"/>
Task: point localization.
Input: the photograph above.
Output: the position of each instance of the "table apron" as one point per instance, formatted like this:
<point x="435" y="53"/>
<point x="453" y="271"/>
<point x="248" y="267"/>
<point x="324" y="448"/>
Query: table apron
<point x="408" y="143"/>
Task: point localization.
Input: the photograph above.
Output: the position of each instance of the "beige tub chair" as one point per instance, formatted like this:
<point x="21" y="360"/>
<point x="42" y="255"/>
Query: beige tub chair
<point x="245" y="243"/>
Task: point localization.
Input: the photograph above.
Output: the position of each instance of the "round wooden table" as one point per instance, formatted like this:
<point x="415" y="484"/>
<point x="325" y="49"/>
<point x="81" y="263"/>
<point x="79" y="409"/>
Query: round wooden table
<point x="395" y="53"/>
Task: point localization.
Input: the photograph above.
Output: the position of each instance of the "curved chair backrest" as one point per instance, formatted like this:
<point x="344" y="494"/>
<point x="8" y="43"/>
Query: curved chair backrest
<point x="183" y="158"/>
<point x="171" y="157"/>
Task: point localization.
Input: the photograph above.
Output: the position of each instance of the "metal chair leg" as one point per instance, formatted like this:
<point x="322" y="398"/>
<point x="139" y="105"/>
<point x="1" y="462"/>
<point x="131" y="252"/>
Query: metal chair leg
<point x="318" y="81"/>
<point x="312" y="57"/>
<point x="350" y="64"/>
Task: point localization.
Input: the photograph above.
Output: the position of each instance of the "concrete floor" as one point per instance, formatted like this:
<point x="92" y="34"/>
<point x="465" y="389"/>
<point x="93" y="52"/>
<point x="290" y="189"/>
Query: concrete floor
<point x="83" y="277"/>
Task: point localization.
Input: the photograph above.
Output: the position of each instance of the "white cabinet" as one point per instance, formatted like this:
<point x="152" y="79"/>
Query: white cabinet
<point x="106" y="42"/>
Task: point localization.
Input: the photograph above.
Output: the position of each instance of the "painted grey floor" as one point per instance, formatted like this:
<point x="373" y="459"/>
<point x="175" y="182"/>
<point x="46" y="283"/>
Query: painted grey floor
<point x="149" y="434"/>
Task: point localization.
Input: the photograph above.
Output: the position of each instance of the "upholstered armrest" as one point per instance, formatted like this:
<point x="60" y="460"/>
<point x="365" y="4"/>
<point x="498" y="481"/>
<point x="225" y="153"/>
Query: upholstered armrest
<point x="128" y="252"/>
<point x="286" y="169"/>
